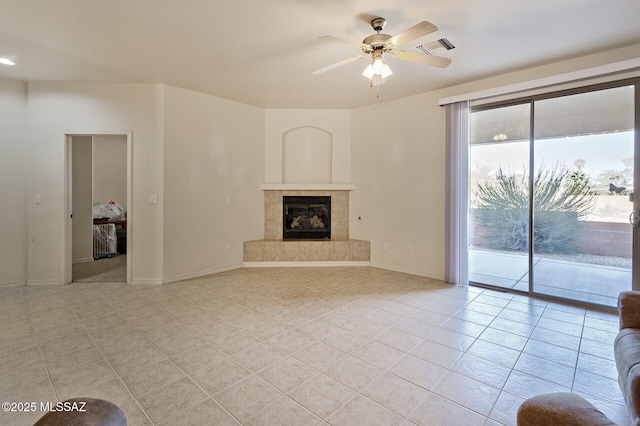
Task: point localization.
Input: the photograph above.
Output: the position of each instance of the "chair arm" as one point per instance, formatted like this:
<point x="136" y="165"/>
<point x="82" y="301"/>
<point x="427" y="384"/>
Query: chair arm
<point x="629" y="309"/>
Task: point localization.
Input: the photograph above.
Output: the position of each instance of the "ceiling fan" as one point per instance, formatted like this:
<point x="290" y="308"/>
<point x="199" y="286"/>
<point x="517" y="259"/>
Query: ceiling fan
<point x="378" y="45"/>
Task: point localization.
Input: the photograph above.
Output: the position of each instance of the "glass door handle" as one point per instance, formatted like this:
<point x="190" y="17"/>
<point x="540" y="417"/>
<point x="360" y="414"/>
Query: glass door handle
<point x="634" y="219"/>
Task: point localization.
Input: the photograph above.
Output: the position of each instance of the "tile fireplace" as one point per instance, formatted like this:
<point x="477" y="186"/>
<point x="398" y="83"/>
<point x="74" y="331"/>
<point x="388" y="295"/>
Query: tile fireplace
<point x="331" y="208"/>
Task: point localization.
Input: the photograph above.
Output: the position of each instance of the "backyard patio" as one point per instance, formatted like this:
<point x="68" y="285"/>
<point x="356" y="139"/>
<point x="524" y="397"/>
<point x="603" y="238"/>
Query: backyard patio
<point x="584" y="282"/>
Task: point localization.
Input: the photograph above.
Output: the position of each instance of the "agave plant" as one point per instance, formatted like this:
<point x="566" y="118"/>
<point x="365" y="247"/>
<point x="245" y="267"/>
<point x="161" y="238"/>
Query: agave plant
<point x="561" y="199"/>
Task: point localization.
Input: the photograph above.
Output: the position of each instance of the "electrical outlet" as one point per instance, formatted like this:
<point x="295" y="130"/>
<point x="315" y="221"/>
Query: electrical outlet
<point x="410" y="249"/>
<point x="385" y="246"/>
<point x="228" y="246"/>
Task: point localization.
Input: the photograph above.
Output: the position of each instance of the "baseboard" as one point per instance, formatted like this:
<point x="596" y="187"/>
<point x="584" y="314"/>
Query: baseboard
<point x="289" y="264"/>
<point x="147" y="281"/>
<point x="183" y="277"/>
<point x="43" y="282"/>
<point x="406" y="271"/>
<point x="16" y="283"/>
<point x="83" y="260"/>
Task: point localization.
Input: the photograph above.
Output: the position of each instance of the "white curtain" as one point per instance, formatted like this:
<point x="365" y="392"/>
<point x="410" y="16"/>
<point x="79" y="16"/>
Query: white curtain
<point x="456" y="187"/>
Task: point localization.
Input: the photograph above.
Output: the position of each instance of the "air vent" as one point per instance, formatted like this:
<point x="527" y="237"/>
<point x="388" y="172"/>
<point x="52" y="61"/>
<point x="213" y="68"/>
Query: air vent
<point x="436" y="44"/>
<point x="446" y="44"/>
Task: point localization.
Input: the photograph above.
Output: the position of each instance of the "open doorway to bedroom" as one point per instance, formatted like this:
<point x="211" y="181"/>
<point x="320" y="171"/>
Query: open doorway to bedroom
<point x="98" y="203"/>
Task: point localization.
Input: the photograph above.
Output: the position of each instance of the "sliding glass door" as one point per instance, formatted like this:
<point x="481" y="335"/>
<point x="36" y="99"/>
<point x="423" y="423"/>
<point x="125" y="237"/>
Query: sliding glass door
<point x="499" y="157"/>
<point x="584" y="165"/>
<point x="550" y="194"/>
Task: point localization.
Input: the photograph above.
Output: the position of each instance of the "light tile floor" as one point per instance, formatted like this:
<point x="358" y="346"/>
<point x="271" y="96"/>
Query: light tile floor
<point x="302" y="346"/>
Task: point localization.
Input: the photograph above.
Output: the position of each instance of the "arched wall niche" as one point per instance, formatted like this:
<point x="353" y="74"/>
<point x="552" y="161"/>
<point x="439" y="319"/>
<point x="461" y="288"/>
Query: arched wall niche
<point x="307" y="155"/>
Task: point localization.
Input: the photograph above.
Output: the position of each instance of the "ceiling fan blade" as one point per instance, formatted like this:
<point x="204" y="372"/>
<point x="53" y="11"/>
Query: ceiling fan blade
<point x="436" y="61"/>
<point x="418" y="30"/>
<point x="337" y="64"/>
<point x="341" y="41"/>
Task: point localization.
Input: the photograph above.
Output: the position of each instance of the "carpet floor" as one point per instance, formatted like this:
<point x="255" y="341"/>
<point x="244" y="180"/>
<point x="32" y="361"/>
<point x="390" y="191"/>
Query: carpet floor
<point x="113" y="269"/>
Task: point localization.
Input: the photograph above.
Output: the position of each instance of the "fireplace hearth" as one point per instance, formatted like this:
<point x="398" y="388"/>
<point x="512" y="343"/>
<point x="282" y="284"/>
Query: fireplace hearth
<point x="306" y="217"/>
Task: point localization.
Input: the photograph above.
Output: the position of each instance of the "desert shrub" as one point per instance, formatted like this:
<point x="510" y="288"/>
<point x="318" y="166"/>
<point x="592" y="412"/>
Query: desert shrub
<point x="561" y="199"/>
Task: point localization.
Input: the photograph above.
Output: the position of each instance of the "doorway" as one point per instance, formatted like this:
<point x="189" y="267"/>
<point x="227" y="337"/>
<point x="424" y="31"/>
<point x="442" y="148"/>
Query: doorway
<point x="98" y="204"/>
<point x="551" y="191"/>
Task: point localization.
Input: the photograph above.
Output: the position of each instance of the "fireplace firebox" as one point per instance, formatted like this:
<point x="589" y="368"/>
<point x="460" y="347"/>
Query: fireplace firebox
<point x="306" y="217"/>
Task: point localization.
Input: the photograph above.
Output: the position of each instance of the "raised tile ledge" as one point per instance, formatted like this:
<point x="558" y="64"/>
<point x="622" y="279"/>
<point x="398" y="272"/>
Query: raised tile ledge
<point x="307" y="251"/>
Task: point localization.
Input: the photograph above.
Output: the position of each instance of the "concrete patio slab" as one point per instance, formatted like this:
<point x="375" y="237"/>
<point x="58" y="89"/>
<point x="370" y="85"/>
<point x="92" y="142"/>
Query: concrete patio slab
<point x="584" y="282"/>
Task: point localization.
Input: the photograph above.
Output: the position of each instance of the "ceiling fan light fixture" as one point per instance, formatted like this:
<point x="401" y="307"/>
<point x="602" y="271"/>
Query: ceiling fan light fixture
<point x="377" y="67"/>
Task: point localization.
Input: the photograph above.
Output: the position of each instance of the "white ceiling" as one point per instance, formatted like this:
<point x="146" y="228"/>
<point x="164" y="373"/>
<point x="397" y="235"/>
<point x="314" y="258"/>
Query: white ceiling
<point x="263" y="52"/>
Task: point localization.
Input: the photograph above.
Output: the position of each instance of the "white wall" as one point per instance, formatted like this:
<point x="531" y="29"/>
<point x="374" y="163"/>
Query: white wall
<point x="336" y="122"/>
<point x="82" y="182"/>
<point x="13" y="176"/>
<point x="84" y="108"/>
<point x="398" y="171"/>
<point x="110" y="169"/>
<point x="213" y="168"/>
<point x="306" y="156"/>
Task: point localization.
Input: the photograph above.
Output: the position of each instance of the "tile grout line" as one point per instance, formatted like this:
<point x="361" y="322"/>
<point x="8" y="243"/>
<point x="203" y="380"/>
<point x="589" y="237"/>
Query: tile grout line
<point x="107" y="359"/>
<point x="43" y="358"/>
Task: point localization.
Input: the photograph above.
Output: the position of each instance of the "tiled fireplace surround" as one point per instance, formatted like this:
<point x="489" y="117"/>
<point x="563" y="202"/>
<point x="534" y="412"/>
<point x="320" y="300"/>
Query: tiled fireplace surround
<point x="274" y="251"/>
